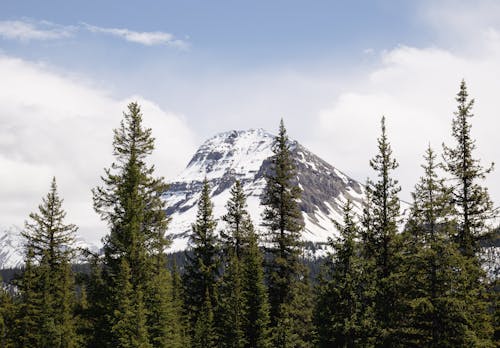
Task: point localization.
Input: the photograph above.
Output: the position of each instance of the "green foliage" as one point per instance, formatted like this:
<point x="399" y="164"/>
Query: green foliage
<point x="285" y="273"/>
<point x="128" y="320"/>
<point x="204" y="335"/>
<point x="201" y="273"/>
<point x="382" y="243"/>
<point x="256" y="317"/>
<point x="243" y="313"/>
<point x="130" y="202"/>
<point x="472" y="201"/>
<point x="338" y="301"/>
<point x="47" y="285"/>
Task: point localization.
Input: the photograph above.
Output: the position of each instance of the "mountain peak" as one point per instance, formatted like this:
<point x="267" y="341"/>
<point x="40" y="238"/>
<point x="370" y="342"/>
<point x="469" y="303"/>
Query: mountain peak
<point x="244" y="155"/>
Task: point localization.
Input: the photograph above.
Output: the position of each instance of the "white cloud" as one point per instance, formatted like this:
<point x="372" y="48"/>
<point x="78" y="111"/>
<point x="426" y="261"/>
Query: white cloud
<point x="415" y="89"/>
<point x="32" y="30"/>
<point x="152" y="38"/>
<point x="51" y="124"/>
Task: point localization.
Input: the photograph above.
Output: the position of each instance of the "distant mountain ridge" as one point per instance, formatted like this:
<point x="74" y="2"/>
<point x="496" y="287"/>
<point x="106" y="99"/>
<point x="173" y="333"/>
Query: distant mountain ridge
<point x="244" y="155"/>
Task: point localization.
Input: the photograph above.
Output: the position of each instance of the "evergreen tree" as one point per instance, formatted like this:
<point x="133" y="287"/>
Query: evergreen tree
<point x="49" y="241"/>
<point x="231" y="309"/>
<point x="129" y="317"/>
<point x="163" y="320"/>
<point x="6" y="318"/>
<point x="338" y="305"/>
<point x="430" y="264"/>
<point x="473" y="204"/>
<point x="178" y="305"/>
<point x="285" y="272"/>
<point x="204" y="335"/>
<point x="130" y="202"/>
<point x="28" y="316"/>
<point x="243" y="310"/>
<point x="383" y="243"/>
<point x="202" y="268"/>
<point x="256" y="317"/>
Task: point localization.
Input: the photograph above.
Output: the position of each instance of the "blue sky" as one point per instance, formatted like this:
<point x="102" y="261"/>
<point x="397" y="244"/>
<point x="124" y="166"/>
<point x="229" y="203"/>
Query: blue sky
<point x="329" y="68"/>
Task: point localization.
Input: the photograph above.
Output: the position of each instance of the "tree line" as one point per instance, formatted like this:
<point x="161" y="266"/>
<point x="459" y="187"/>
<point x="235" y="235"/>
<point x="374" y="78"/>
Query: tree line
<point x="386" y="281"/>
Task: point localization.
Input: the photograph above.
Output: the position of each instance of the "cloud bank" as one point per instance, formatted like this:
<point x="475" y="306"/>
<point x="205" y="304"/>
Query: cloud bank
<point x="53" y="124"/>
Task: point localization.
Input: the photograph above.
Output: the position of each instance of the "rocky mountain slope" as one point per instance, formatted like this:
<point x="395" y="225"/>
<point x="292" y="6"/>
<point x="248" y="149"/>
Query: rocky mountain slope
<point x="244" y="155"/>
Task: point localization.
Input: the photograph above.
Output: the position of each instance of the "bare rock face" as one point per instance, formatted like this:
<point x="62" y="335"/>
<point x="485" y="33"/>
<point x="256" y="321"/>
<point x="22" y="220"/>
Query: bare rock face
<point x="244" y="155"/>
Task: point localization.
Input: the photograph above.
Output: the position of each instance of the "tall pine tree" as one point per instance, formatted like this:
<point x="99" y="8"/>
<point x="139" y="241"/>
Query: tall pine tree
<point x="202" y="271"/>
<point x="434" y="316"/>
<point x="474" y="208"/>
<point x="382" y="244"/>
<point x="289" y="291"/>
<point x="473" y="204"/>
<point x="130" y="202"/>
<point x="49" y="283"/>
<point x="338" y="302"/>
<point x="243" y="309"/>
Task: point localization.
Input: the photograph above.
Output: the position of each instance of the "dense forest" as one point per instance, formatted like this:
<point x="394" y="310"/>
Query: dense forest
<point x="387" y="280"/>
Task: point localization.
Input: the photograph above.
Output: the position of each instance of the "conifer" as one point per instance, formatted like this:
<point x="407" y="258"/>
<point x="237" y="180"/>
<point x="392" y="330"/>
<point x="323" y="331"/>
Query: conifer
<point x="285" y="272"/>
<point x="202" y="268"/>
<point x="338" y="305"/>
<point x="473" y="204"/>
<point x="130" y="202"/>
<point x="50" y="280"/>
<point x="383" y="243"/>
<point x="255" y="322"/>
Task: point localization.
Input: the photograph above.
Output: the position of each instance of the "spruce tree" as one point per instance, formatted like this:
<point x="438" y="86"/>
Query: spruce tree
<point x="204" y="335"/>
<point x="430" y="264"/>
<point x="202" y="268"/>
<point x="256" y="317"/>
<point x="382" y="245"/>
<point x="338" y="304"/>
<point x="473" y="204"/>
<point x="285" y="272"/>
<point x="49" y="242"/>
<point x="28" y="314"/>
<point x="243" y="309"/>
<point x="128" y="323"/>
<point x="130" y="202"/>
<point x="6" y="317"/>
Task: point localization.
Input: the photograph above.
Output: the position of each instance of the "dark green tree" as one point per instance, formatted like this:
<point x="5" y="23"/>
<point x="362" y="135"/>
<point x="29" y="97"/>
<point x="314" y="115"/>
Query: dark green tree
<point x="50" y="247"/>
<point x="382" y="244"/>
<point x="28" y="314"/>
<point x="256" y="318"/>
<point x="7" y="311"/>
<point x="430" y="264"/>
<point x="243" y="309"/>
<point x="474" y="208"/>
<point x="130" y="202"/>
<point x="473" y="204"/>
<point x="338" y="301"/>
<point x="129" y="318"/>
<point x="285" y="271"/>
<point x="204" y="335"/>
<point x="202" y="268"/>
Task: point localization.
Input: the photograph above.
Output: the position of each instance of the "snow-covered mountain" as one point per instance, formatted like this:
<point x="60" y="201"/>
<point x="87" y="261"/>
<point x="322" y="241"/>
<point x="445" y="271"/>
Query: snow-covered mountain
<point x="244" y="155"/>
<point x="12" y="248"/>
<point x="228" y="156"/>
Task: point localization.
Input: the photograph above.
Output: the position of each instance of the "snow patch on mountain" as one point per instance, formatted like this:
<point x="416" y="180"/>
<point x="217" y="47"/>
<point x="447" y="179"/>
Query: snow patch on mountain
<point x="244" y="155"/>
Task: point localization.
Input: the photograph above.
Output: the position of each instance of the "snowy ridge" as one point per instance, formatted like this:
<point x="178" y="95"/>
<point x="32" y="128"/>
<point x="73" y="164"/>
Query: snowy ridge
<point x="12" y="249"/>
<point x="244" y="155"/>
